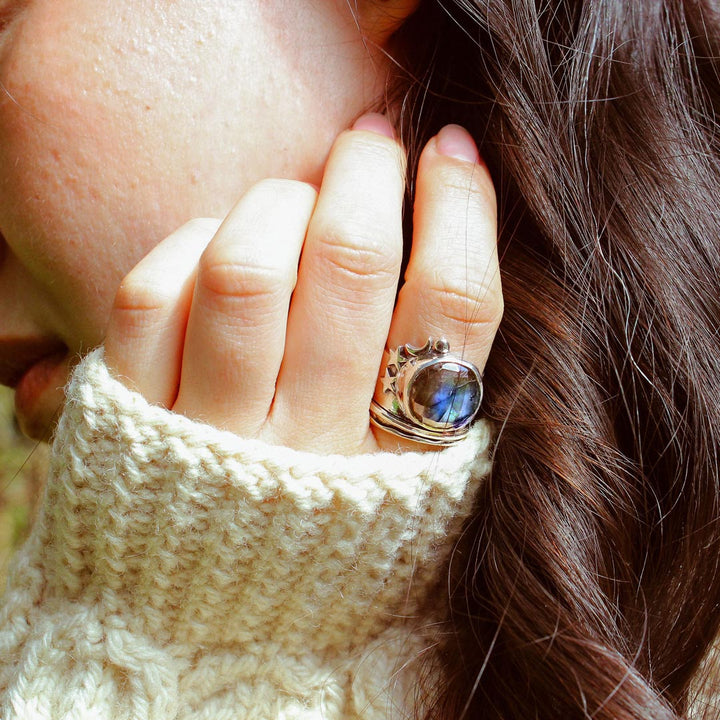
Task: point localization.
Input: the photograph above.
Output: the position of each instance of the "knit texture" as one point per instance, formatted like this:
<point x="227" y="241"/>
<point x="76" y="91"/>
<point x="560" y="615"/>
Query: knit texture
<point x="176" y="571"/>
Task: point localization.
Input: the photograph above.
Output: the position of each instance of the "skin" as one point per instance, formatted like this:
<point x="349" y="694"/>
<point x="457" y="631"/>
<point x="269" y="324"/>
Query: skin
<point x="118" y="127"/>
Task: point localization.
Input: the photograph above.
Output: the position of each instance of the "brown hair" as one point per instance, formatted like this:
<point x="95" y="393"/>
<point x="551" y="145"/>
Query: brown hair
<point x="587" y="585"/>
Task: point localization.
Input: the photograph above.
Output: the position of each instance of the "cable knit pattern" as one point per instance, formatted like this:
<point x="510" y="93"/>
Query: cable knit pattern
<point x="177" y="571"/>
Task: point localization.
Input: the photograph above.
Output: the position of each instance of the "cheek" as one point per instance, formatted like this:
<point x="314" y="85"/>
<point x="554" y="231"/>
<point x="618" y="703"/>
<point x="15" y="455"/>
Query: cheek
<point x="58" y="211"/>
<point x="66" y="211"/>
<point x="76" y="202"/>
<point x="122" y="125"/>
<point x="94" y="171"/>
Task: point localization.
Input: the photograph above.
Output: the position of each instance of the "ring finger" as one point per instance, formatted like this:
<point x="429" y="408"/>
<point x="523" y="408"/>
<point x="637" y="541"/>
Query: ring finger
<point x="236" y="329"/>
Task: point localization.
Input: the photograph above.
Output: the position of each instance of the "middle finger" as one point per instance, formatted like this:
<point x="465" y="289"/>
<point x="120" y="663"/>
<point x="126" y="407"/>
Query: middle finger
<point x="343" y="301"/>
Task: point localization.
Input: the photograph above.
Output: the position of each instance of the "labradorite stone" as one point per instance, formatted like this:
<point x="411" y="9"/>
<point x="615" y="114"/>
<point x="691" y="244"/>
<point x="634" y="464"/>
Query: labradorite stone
<point x="444" y="394"/>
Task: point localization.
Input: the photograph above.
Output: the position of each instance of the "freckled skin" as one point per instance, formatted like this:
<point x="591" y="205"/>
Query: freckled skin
<point x="121" y="122"/>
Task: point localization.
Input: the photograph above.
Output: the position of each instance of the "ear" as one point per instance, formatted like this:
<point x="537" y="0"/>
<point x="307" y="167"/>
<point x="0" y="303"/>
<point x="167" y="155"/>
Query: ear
<point x="380" y="19"/>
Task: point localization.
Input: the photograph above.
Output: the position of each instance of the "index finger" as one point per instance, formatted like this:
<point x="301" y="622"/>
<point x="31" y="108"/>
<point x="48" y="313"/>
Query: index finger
<point x="452" y="293"/>
<point x="452" y="285"/>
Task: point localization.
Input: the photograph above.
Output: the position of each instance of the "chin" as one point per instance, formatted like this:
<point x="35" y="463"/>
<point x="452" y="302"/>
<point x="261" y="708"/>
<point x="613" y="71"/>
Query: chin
<point x="40" y="396"/>
<point x="40" y="424"/>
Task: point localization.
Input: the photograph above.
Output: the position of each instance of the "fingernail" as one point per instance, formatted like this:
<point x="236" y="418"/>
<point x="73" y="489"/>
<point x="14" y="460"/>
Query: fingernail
<point x="455" y="141"/>
<point x="375" y="122"/>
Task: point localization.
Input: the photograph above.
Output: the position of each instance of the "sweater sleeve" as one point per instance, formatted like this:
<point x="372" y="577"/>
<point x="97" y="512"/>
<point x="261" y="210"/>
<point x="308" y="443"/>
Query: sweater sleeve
<point x="176" y="571"/>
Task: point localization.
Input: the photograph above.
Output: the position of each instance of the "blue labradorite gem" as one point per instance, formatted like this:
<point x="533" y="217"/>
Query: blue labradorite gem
<point x="444" y="394"/>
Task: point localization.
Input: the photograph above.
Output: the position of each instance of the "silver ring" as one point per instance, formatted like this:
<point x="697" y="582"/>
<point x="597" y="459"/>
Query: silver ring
<point x="427" y="394"/>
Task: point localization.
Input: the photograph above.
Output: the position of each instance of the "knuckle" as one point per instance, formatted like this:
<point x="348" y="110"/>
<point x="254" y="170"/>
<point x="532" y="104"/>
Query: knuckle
<point x="140" y="305"/>
<point x="464" y="299"/>
<point x="140" y="293"/>
<point x="372" y="147"/>
<point x="274" y="190"/>
<point x="244" y="276"/>
<point x="459" y="185"/>
<point x="203" y="226"/>
<point x="377" y="162"/>
<point x="361" y="255"/>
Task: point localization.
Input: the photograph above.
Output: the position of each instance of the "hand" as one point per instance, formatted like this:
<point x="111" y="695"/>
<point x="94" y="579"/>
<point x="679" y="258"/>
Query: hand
<point x="272" y="324"/>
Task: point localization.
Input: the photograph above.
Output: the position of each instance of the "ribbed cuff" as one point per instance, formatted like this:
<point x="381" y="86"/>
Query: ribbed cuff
<point x="166" y="546"/>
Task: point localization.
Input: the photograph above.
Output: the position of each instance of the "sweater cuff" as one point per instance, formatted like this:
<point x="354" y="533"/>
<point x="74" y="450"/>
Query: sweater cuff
<point x="162" y="535"/>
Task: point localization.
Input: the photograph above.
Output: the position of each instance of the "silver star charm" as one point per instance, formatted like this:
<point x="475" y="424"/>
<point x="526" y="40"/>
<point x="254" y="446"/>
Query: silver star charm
<point x="394" y="358"/>
<point x="388" y="383"/>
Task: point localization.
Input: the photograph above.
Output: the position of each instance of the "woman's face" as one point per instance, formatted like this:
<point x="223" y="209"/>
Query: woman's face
<point x="122" y="120"/>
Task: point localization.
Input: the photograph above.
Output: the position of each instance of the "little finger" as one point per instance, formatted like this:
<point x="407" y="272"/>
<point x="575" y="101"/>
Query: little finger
<point x="144" y="339"/>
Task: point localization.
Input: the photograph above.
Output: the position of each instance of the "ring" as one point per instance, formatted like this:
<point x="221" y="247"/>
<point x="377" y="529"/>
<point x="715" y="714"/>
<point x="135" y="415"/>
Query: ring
<point x="427" y="394"/>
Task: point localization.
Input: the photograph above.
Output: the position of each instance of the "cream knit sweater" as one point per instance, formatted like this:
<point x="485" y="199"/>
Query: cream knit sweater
<point x="177" y="571"/>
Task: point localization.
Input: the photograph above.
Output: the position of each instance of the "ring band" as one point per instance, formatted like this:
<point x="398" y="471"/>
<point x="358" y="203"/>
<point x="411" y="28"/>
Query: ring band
<point x="427" y="394"/>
